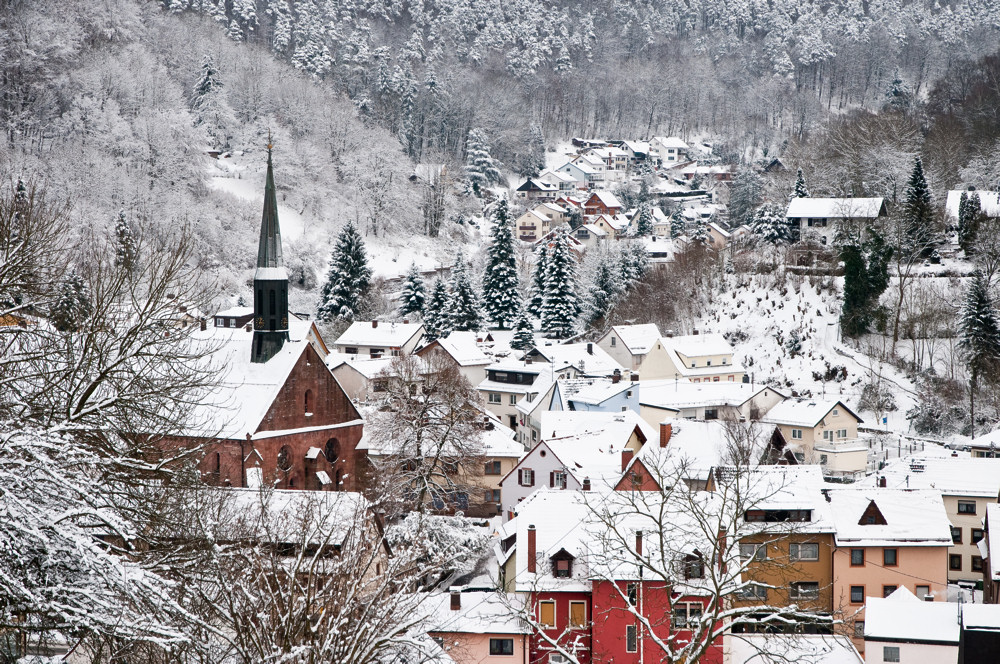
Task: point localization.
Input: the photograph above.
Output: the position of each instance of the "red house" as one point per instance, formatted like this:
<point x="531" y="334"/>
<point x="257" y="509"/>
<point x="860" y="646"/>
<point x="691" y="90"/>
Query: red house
<point x="602" y="202"/>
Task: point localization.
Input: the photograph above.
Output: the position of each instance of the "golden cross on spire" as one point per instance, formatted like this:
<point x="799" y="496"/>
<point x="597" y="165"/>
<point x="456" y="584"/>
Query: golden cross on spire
<point x="269" y="143"/>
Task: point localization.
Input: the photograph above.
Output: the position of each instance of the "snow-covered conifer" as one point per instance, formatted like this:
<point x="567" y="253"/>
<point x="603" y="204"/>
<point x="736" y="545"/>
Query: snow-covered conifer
<point x="605" y="290"/>
<point x="770" y="224"/>
<point x="800" y="186"/>
<point x="917" y="212"/>
<point x="980" y="335"/>
<point x="464" y="311"/>
<point x="634" y="263"/>
<point x="126" y="249"/>
<point x="524" y="334"/>
<point x="349" y="277"/>
<point x="538" y="281"/>
<point x="481" y="170"/>
<point x="72" y="304"/>
<point x="208" y="82"/>
<point x="436" y="319"/>
<point x="969" y="213"/>
<point x="677" y="225"/>
<point x="561" y="305"/>
<point x="644" y="219"/>
<point x="500" y="283"/>
<point x="414" y="294"/>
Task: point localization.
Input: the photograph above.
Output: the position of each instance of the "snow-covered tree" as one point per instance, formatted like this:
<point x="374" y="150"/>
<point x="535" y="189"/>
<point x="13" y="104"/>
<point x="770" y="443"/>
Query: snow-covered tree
<point x="464" y="309"/>
<point x="561" y="305"/>
<point x="634" y="263"/>
<point x="980" y="337"/>
<point x="644" y="219"/>
<point x="500" y="283"/>
<point x="770" y="224"/>
<point x="800" y="186"/>
<point x="532" y="159"/>
<point x="866" y="276"/>
<point x="698" y="231"/>
<point x="208" y="82"/>
<point x="524" y="332"/>
<point x="918" y="215"/>
<point x="127" y="249"/>
<point x="677" y="225"/>
<point x="899" y="95"/>
<point x="413" y="296"/>
<point x="604" y="291"/>
<point x="969" y="213"/>
<point x="481" y="170"/>
<point x="744" y="195"/>
<point x="72" y="306"/>
<point x="437" y="322"/>
<point x="348" y="280"/>
<point x="537" y="297"/>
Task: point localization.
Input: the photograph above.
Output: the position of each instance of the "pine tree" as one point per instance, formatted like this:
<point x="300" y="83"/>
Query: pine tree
<point x="744" y="196"/>
<point x="348" y="279"/>
<point x="524" y="335"/>
<point x="605" y="290"/>
<point x="500" y="282"/>
<point x="414" y="294"/>
<point x="800" y="186"/>
<point x="677" y="225"/>
<point x="634" y="263"/>
<point x="866" y="276"/>
<point x="561" y="305"/>
<point x="969" y="214"/>
<point x="208" y="83"/>
<point x="126" y="249"/>
<point x="770" y="225"/>
<point x="72" y="305"/>
<point x="436" y="319"/>
<point x="464" y="312"/>
<point x="644" y="219"/>
<point x="699" y="231"/>
<point x="532" y="160"/>
<point x="538" y="281"/>
<point x="980" y="337"/>
<point x="481" y="170"/>
<point x="918" y="216"/>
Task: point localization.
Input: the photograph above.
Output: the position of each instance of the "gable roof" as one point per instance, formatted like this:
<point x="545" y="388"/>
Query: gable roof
<point x="676" y="395"/>
<point x="587" y="358"/>
<point x="671" y="142"/>
<point x="462" y="347"/>
<point x="902" y="618"/>
<point x="638" y="339"/>
<point x="949" y="475"/>
<point x="804" y="412"/>
<point x="480" y="613"/>
<point x="836" y="208"/>
<point x="606" y="198"/>
<point x="389" y="335"/>
<point x="912" y="518"/>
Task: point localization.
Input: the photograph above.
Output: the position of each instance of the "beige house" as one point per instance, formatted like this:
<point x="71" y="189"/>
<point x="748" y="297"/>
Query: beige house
<point x="358" y="377"/>
<point x="629" y="344"/>
<point x="376" y="339"/>
<point x="697" y="358"/>
<point x="662" y="399"/>
<point x="478" y="627"/>
<point x="823" y="432"/>
<point x="507" y="383"/>
<point x="462" y="349"/>
<point x="967" y="486"/>
<point x="539" y="220"/>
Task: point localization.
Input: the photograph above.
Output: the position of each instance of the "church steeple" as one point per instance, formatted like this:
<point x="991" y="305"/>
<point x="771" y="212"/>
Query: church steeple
<point x="270" y="282"/>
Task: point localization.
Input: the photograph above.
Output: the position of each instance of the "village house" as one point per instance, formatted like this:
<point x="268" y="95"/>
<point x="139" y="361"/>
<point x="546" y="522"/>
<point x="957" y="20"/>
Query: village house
<point x="462" y="349"/>
<point x="823" y="432"/>
<point x="660" y="250"/>
<point x="662" y="399"/>
<point x="668" y="150"/>
<point x="968" y="487"/>
<point x="531" y="407"/>
<point x="506" y="383"/>
<point x="361" y="378"/>
<point x="564" y="183"/>
<point x="539" y="220"/>
<point x="636" y="152"/>
<point x="602" y="203"/>
<point x="615" y="160"/>
<point x="536" y="189"/>
<point x="989" y="550"/>
<point x="376" y="340"/>
<point x="575" y="360"/>
<point x="590" y="235"/>
<point x="601" y="395"/>
<point x="824" y="216"/>
<point x="697" y="358"/>
<point x="629" y="344"/>
<point x="613" y="227"/>
<point x="478" y="627"/>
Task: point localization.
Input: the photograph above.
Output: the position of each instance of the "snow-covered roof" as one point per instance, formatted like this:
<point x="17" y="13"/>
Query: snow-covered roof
<point x="598" y="232"/>
<point x="235" y="312"/>
<point x="550" y="207"/>
<point x="549" y="175"/>
<point x="614" y="426"/>
<point x="694" y="449"/>
<point x="699" y="345"/>
<point x="913" y="518"/>
<point x="639" y="147"/>
<point x="540" y="184"/>
<point x="826" y="208"/>
<point x="388" y="335"/>
<point x="538" y="397"/>
<point x="463" y="349"/>
<point x="804" y="412"/>
<point x="804" y="648"/>
<point x="903" y="617"/>
<point x="988" y="202"/>
<point x="719" y="229"/>
<point x="599" y="391"/>
<point x="587" y="358"/>
<point x="949" y="475"/>
<point x="677" y="395"/>
<point x="607" y="199"/>
<point x="480" y="613"/>
<point x="581" y="166"/>
<point x="559" y="518"/>
<point x="365" y="366"/>
<point x="671" y="142"/>
<point x="981" y="616"/>
<point x="618" y="222"/>
<point x="496" y="440"/>
<point x="637" y="338"/>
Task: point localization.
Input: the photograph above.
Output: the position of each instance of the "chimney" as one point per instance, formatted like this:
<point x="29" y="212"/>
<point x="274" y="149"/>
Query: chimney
<point x="406" y="321"/>
<point x="626" y="457"/>
<point x="586" y="484"/>
<point x="590" y="349"/>
<point x="666" y="430"/>
<point x="531" y="549"/>
<point x="203" y="324"/>
<point x="638" y="542"/>
<point x="616" y="376"/>
<point x="456" y="601"/>
<point x="248" y="327"/>
<point x="881" y="482"/>
<point x="374" y="324"/>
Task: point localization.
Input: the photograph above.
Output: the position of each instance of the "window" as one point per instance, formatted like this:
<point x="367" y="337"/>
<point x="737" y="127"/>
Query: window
<point x="857" y="594"/>
<point x="632" y="592"/>
<point x="631" y="640"/>
<point x="711" y="414"/>
<point x="956" y="535"/>
<point x="562" y="568"/>
<point x="547" y="614"/>
<point x="624" y="408"/>
<point x="857" y="557"/>
<point x="526" y="477"/>
<point x="513" y="400"/>
<point x="890" y="653"/>
<point x="577" y="614"/>
<point x="753" y="551"/>
<point x="827" y="435"/>
<point x="804" y="590"/>
<point x="501" y="646"/>
<point x="694" y="567"/>
<point x="823" y="459"/>
<point x="796" y="434"/>
<point x="977" y="564"/>
<point x="492" y="468"/>
<point x="350" y="350"/>
<point x="628" y="394"/>
<point x="493" y="495"/>
<point x="955" y="562"/>
<point x="859" y="629"/>
<point x="308" y="399"/>
<point x="284" y="459"/>
<point x="686" y="614"/>
<point x="890" y="557"/>
<point x="841" y="433"/>
<point x="977" y="534"/>
<point x="708" y="363"/>
<point x="966" y="507"/>
<point x="715" y="379"/>
<point x="496" y="397"/>
<point x="753" y="591"/>
<point x="376" y="353"/>
<point x="888" y="590"/>
<point x="809" y="551"/>
<point x="557" y="480"/>
<point x="834" y="412"/>
<point x="614" y="342"/>
<point x="692" y="365"/>
<point x="922" y="591"/>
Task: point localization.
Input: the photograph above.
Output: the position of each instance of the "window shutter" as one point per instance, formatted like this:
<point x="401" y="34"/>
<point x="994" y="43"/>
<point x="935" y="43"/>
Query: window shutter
<point x="552" y="479"/>
<point x="520" y="476"/>
<point x="531" y="478"/>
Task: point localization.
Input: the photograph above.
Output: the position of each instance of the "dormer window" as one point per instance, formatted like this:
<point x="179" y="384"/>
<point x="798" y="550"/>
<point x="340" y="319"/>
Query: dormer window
<point x="562" y="564"/>
<point x="694" y="566"/>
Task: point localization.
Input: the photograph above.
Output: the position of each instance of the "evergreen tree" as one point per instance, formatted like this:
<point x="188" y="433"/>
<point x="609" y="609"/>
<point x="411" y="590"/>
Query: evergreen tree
<point x="634" y="263"/>
<point x="436" y="319"/>
<point x="500" y="283"/>
<point x="866" y="276"/>
<point x="644" y="219"/>
<point x="413" y="296"/>
<point x="980" y="340"/>
<point x="126" y="249"/>
<point x="481" y="170"/>
<point x="744" y="196"/>
<point x="561" y="306"/>
<point x="208" y="83"/>
<point x="464" y="312"/>
<point x="348" y="279"/>
<point x="770" y="225"/>
<point x="800" y="186"/>
<point x="918" y="216"/>
<point x="677" y="225"/>
<point x="969" y="217"/>
<point x="605" y="290"/>
<point x="524" y="334"/>
<point x="699" y="231"/>
<point x="538" y="281"/>
<point x="71" y="307"/>
<point x="532" y="160"/>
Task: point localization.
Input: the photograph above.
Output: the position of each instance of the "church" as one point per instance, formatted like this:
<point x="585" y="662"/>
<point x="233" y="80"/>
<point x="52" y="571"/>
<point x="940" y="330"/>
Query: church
<point x="276" y="415"/>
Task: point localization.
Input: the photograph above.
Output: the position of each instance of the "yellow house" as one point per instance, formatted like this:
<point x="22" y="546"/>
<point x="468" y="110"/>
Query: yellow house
<point x="823" y="432"/>
<point x="697" y="358"/>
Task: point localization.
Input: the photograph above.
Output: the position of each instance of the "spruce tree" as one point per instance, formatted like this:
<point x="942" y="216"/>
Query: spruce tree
<point x="208" y="83"/>
<point x="464" y="312"/>
<point x="71" y="307"/>
<point x="605" y="290"/>
<point x="500" y="282"/>
<point x="866" y="276"/>
<point x="969" y="213"/>
<point x="436" y="319"/>
<point x="800" y="186"/>
<point x="524" y="334"/>
<point x="677" y="225"/>
<point x="770" y="225"/>
<point x="918" y="216"/>
<point x="532" y="161"/>
<point x="561" y="305"/>
<point x="348" y="279"/>
<point x="634" y="263"/>
<point x="538" y="281"/>
<point x="481" y="170"/>
<point x="644" y="219"/>
<point x="414" y="294"/>
<point x="744" y="195"/>
<point x="126" y="248"/>
<point x="980" y="338"/>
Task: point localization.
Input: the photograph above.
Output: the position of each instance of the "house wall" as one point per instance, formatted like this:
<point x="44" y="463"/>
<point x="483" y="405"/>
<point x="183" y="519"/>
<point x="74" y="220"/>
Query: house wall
<point x="505" y="410"/>
<point x="811" y="436"/>
<point x="659" y="364"/>
<point x="843" y="459"/>
<point x="966" y="522"/>
<point x="615" y="404"/>
<point x="911" y="652"/>
<point x="917" y="565"/>
<point x="653" y="415"/>
<point x="355" y="385"/>
<point x="539" y="651"/>
<point x="619" y="352"/>
<point x="780" y="571"/>
<point x="541" y="460"/>
<point x="466" y="648"/>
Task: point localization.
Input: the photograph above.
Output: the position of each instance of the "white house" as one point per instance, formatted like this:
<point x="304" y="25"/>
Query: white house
<point x="376" y="339"/>
<point x="463" y="349"/>
<point x="660" y="399"/>
<point x="629" y="344"/>
<point x="823" y="215"/>
<point x="902" y="628"/>
<point x="824" y="432"/>
<point x="695" y="357"/>
<point x="669" y="149"/>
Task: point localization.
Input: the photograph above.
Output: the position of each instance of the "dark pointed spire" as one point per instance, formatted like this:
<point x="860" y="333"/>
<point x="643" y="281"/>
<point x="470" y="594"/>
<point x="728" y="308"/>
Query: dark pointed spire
<point x="269" y="252"/>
